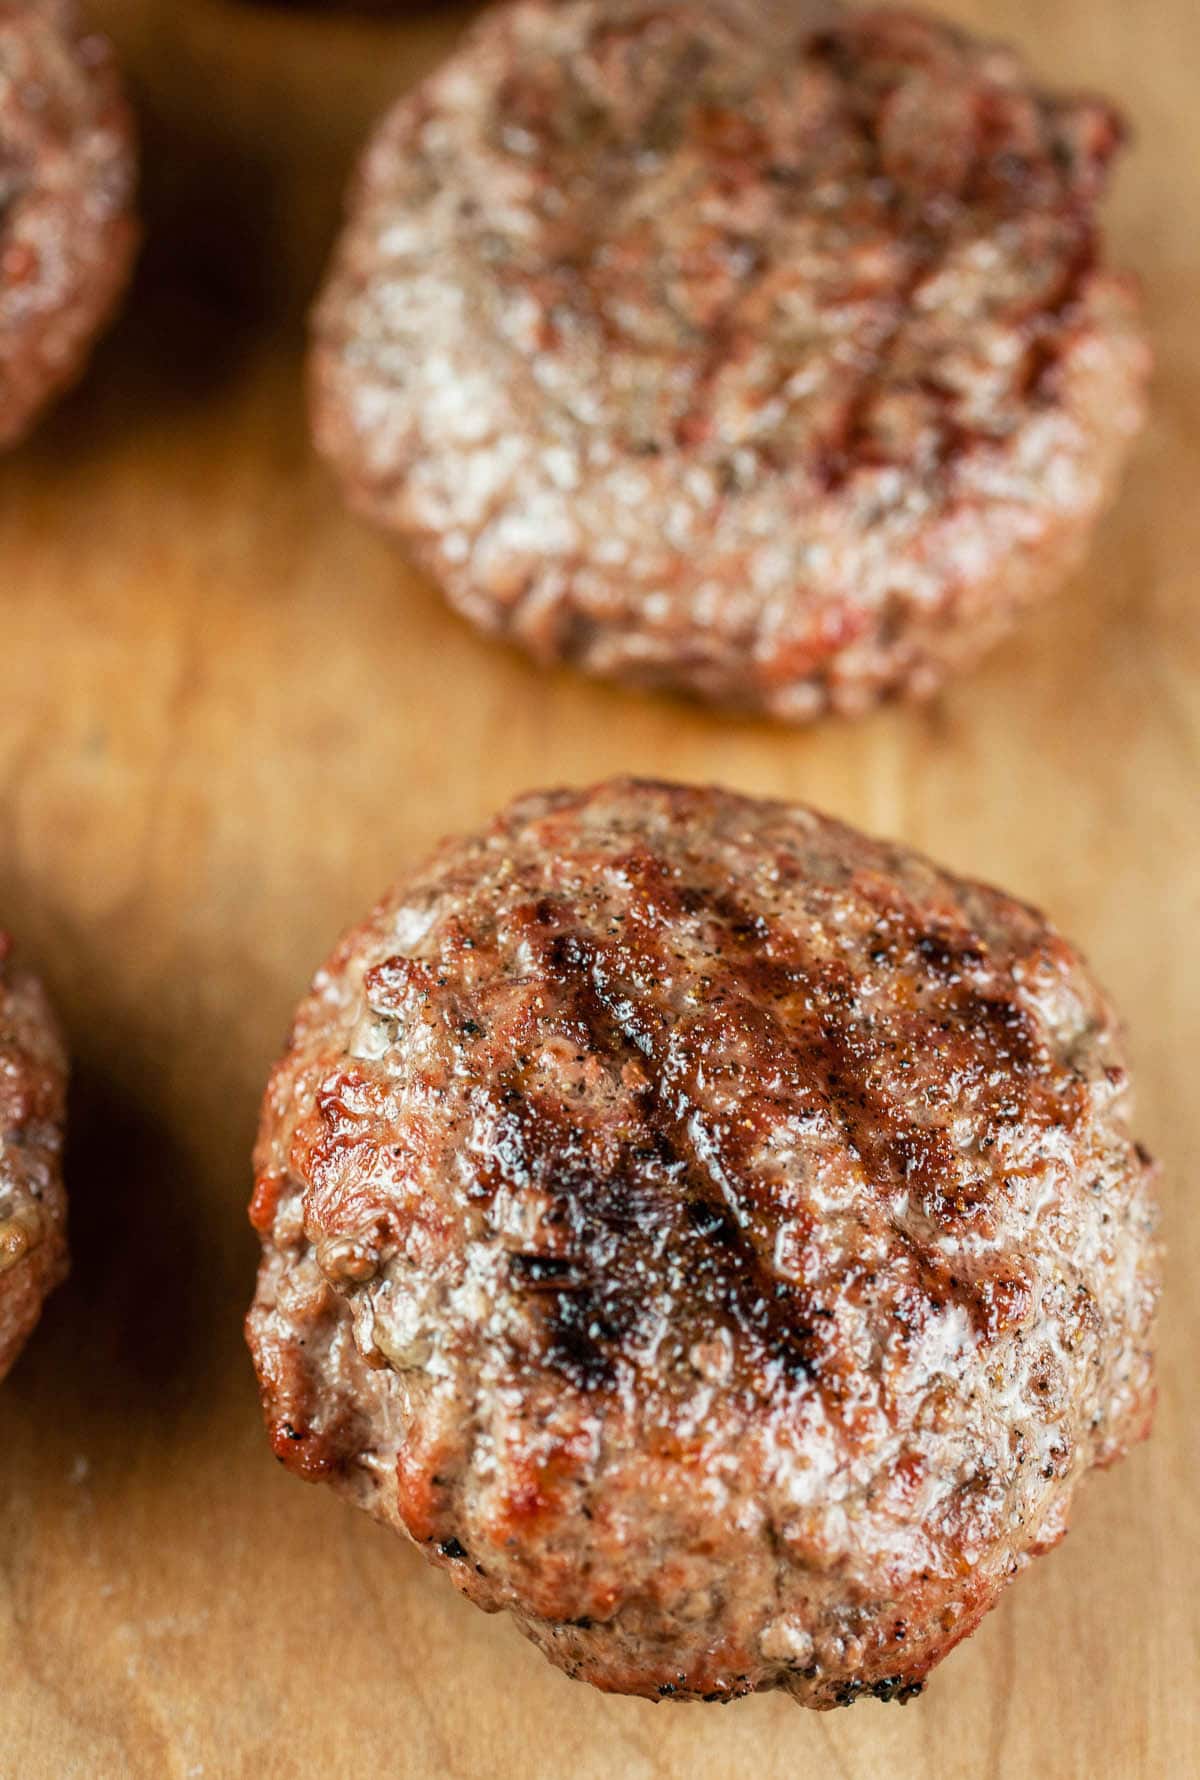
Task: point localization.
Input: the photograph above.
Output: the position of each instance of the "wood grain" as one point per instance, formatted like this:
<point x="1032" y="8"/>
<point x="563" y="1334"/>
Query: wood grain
<point x="228" y="717"/>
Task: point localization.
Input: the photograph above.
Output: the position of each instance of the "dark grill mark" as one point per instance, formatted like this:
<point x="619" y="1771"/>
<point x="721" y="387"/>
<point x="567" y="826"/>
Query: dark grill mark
<point x="549" y="1272"/>
<point x="668" y="1216"/>
<point x="712" y="1222"/>
<point x="619" y="1215"/>
<point x="583" y="1331"/>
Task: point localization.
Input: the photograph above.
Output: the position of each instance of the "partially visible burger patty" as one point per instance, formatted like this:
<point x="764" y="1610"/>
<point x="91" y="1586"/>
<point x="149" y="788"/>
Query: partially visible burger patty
<point x="709" y="1234"/>
<point x="745" y="346"/>
<point x="67" y="175"/>
<point x="33" y="1207"/>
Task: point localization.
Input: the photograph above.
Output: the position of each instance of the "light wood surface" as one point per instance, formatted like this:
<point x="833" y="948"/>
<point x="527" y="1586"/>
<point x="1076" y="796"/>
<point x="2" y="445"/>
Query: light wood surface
<point x="228" y="717"/>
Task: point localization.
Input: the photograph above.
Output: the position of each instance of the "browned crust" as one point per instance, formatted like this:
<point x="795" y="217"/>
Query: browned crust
<point x="68" y="234"/>
<point x="33" y="1209"/>
<point x="712" y="1235"/>
<point x="762" y="351"/>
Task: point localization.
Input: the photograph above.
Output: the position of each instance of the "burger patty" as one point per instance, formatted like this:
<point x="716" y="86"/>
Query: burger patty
<point x="33" y="1206"/>
<point x="709" y="1234"/>
<point x="748" y="347"/>
<point x="67" y="175"/>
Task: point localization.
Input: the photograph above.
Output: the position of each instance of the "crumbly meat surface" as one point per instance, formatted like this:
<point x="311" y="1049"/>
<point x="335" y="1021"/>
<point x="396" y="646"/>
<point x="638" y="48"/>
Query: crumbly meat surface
<point x="757" y="349"/>
<point x="33" y="1207"/>
<point x="67" y="176"/>
<point x="711" y="1235"/>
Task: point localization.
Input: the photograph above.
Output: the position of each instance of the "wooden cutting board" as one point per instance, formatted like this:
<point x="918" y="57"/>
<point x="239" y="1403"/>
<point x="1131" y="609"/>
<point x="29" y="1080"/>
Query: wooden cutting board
<point x="228" y="717"/>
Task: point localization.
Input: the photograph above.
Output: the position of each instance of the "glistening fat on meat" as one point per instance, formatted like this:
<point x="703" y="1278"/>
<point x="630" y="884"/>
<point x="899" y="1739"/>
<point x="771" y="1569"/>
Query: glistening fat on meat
<point x="761" y="350"/>
<point x="711" y="1235"/>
